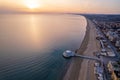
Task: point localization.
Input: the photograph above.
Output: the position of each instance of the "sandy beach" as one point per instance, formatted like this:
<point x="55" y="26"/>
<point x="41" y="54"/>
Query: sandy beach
<point x="84" y="69"/>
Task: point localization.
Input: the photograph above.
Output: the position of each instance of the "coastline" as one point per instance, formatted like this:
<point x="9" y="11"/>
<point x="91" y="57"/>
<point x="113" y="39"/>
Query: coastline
<point x="83" y="69"/>
<point x="73" y="70"/>
<point x="87" y="66"/>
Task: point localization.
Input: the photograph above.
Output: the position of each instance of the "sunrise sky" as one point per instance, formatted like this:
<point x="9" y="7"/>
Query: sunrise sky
<point x="79" y="6"/>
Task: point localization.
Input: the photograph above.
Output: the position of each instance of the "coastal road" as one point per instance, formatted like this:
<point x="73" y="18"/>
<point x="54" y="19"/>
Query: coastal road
<point x="108" y="41"/>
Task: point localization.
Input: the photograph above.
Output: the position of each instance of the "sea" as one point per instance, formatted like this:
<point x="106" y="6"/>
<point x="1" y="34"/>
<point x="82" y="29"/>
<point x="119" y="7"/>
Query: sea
<point x="31" y="45"/>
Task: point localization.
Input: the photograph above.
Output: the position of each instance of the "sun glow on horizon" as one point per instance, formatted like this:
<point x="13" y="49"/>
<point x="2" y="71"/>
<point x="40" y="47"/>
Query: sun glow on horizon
<point x="32" y="4"/>
<point x="65" y="6"/>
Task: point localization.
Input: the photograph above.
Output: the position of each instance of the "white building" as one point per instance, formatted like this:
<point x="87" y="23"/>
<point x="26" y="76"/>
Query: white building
<point x="117" y="44"/>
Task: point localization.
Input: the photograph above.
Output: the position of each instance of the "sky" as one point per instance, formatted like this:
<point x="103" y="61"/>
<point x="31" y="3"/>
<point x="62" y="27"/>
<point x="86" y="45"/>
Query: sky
<point x="73" y="6"/>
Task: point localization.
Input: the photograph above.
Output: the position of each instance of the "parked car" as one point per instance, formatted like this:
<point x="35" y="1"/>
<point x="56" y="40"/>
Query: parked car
<point x="104" y="40"/>
<point x="103" y="50"/>
<point x="109" y="47"/>
<point x="100" y="76"/>
<point x="96" y="64"/>
<point x="103" y="53"/>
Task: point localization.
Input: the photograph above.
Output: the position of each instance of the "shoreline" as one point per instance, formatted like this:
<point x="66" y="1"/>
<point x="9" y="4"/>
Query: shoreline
<point x="87" y="66"/>
<point x="72" y="72"/>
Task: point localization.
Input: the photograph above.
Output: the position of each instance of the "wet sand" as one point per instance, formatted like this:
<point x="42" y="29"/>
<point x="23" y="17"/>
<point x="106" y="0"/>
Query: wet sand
<point x="80" y="69"/>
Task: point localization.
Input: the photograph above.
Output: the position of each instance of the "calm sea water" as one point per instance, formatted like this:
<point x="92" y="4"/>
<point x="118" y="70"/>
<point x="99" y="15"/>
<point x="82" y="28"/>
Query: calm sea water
<point x="31" y="46"/>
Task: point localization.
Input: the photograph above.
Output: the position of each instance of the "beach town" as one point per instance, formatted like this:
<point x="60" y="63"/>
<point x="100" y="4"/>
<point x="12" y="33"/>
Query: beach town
<point x="59" y="39"/>
<point x="102" y="40"/>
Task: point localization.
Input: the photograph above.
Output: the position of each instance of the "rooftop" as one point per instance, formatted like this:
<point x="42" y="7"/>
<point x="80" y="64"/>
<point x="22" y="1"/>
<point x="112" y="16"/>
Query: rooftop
<point x="116" y="66"/>
<point x="117" y="73"/>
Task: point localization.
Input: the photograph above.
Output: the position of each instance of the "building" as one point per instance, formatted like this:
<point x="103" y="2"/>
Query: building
<point x="114" y="69"/>
<point x="117" y="44"/>
<point x="112" y="36"/>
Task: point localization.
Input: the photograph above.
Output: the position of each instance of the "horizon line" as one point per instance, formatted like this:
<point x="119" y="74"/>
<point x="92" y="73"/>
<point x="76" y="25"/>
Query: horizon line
<point x="77" y="13"/>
